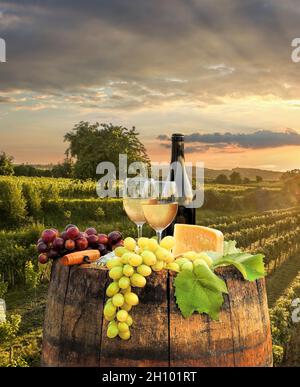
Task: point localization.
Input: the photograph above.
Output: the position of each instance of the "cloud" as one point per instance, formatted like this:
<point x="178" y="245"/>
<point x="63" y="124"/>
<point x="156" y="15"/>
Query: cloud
<point x="234" y="142"/>
<point x="151" y="52"/>
<point x="163" y="137"/>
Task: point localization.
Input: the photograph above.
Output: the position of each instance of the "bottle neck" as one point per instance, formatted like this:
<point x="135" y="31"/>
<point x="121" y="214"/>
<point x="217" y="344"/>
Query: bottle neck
<point x="177" y="151"/>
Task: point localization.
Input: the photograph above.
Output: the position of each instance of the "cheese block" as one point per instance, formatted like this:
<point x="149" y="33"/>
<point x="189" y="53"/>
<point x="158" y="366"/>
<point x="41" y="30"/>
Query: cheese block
<point x="197" y="238"/>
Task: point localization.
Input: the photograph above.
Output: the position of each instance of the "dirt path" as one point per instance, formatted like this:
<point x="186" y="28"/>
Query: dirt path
<point x="282" y="278"/>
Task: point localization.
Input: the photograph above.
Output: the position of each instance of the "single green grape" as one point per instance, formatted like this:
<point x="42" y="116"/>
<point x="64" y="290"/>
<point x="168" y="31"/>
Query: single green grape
<point x="129" y="321"/>
<point x="128" y="270"/>
<point x="161" y="254"/>
<point x="112" y="331"/>
<point x="149" y="257"/>
<point x="135" y="260"/>
<point x="158" y="266"/>
<point x="124" y="282"/>
<point x="116" y="273"/>
<point x="169" y="258"/>
<point x="123" y="327"/>
<point x="126" y="307"/>
<point x="131" y="298"/>
<point x="143" y="242"/>
<point x="118" y="300"/>
<point x="110" y="318"/>
<point x="181" y="261"/>
<point x="167" y="242"/>
<point x="125" y="258"/>
<point x="119" y="251"/>
<point x="129" y="244"/>
<point x="122" y="315"/>
<point x="125" y="335"/>
<point x="152" y="245"/>
<point x="190" y="255"/>
<point x="113" y="322"/>
<point x="144" y="270"/>
<point x="187" y="266"/>
<point x="205" y="258"/>
<point x="109" y="310"/>
<point x="112" y="289"/>
<point x="138" y="280"/>
<point x="113" y="262"/>
<point x="127" y="290"/>
<point x="173" y="267"/>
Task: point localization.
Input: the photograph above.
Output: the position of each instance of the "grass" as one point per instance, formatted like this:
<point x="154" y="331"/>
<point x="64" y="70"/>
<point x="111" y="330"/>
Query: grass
<point x="30" y="304"/>
<point x="281" y="279"/>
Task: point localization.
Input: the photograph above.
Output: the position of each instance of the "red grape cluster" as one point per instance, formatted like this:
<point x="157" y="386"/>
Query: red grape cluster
<point x="53" y="244"/>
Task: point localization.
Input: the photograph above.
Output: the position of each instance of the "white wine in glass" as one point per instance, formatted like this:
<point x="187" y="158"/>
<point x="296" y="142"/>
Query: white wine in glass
<point x="161" y="211"/>
<point x="136" y="193"/>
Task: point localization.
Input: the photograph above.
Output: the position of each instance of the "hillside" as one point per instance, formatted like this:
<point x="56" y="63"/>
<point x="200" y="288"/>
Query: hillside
<point x="251" y="173"/>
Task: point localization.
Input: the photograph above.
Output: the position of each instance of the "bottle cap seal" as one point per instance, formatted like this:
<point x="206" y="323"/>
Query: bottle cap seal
<point x="177" y="137"/>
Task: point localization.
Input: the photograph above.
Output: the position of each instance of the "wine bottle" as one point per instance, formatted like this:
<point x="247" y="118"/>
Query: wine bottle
<point x="186" y="213"/>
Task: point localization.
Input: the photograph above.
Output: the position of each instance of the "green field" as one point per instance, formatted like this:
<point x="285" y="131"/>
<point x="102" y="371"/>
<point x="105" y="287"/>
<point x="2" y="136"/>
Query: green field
<point x="260" y="218"/>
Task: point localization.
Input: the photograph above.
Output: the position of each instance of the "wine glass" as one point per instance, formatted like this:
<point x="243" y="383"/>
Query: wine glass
<point x="162" y="209"/>
<point x="136" y="192"/>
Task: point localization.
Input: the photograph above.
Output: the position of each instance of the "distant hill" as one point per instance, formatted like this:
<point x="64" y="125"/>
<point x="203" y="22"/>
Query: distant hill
<point x="251" y="173"/>
<point x="38" y="166"/>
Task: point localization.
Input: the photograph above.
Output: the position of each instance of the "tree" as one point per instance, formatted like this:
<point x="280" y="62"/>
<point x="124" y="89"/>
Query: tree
<point x="222" y="179"/>
<point x="290" y="174"/>
<point x="6" y="165"/>
<point x="90" y="144"/>
<point x="30" y="170"/>
<point x="246" y="180"/>
<point x="259" y="179"/>
<point x="64" y="169"/>
<point x="235" y="178"/>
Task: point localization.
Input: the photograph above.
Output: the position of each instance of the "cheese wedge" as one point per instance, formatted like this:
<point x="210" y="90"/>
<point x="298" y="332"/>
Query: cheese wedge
<point x="197" y="238"/>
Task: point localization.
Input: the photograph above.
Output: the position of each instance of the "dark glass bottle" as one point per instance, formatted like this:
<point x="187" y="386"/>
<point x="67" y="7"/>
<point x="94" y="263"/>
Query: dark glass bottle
<point x="185" y="214"/>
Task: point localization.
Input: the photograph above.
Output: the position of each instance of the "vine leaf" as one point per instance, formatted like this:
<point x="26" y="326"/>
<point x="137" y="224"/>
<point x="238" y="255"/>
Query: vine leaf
<point x="251" y="266"/>
<point x="199" y="291"/>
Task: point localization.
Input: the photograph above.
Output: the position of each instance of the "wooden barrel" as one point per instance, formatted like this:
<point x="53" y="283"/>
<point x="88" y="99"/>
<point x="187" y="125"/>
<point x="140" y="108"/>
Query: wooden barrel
<point x="75" y="330"/>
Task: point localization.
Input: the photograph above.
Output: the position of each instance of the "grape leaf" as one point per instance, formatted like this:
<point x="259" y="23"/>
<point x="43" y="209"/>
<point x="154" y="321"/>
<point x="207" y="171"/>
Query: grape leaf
<point x="230" y="248"/>
<point x="199" y="291"/>
<point x="251" y="266"/>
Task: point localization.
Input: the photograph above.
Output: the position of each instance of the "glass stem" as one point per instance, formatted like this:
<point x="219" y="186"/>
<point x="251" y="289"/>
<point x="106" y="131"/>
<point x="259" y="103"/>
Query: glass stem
<point x="139" y="230"/>
<point x="159" y="235"/>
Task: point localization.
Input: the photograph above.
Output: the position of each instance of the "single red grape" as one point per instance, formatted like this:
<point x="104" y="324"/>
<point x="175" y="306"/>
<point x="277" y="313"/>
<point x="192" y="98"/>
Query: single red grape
<point x="81" y="243"/>
<point x="73" y="232"/>
<point x="102" y="249"/>
<point x="91" y="231"/>
<point x="93" y="240"/>
<point x="114" y="237"/>
<point x="68" y="226"/>
<point x="69" y="245"/>
<point x="56" y="232"/>
<point x="43" y="258"/>
<point x="64" y="235"/>
<point x="52" y="254"/>
<point x="58" y="244"/>
<point x="42" y="247"/>
<point x="103" y="239"/>
<point x="48" y="236"/>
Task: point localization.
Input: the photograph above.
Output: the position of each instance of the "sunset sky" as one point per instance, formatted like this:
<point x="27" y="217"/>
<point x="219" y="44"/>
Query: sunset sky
<point x="219" y="71"/>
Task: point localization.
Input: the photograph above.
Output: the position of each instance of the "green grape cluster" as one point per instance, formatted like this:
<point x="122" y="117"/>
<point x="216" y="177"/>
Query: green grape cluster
<point x="128" y="269"/>
<point x="191" y="259"/>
